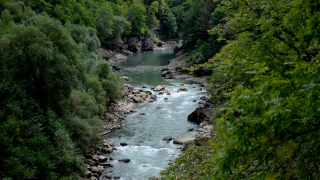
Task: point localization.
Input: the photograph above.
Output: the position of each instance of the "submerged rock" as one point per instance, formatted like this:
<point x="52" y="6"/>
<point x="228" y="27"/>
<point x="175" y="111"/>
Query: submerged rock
<point x="123" y="144"/>
<point x="124" y="160"/>
<point x="168" y="138"/>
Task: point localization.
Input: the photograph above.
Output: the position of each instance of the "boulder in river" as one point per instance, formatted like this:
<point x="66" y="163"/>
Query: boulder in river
<point x="168" y="138"/>
<point x="124" y="160"/>
<point x="153" y="96"/>
<point x="123" y="144"/>
<point x="142" y="113"/>
<point x="159" y="107"/>
<point x="183" y="138"/>
<point x="125" y="78"/>
<point x="108" y="176"/>
<point x="202" y="113"/>
<point x="159" y="88"/>
<point x="183" y="89"/>
<point x="117" y="177"/>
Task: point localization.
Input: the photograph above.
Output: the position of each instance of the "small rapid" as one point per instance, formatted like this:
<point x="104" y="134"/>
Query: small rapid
<point x="147" y="152"/>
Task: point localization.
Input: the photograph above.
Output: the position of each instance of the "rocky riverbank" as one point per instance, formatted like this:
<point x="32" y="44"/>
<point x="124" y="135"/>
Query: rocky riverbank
<point x="203" y="115"/>
<point x="96" y="162"/>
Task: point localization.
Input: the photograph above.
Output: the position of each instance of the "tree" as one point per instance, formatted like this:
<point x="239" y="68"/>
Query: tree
<point x="269" y="75"/>
<point x="105" y="23"/>
<point x="152" y="11"/>
<point x="42" y="59"/>
<point x="136" y="15"/>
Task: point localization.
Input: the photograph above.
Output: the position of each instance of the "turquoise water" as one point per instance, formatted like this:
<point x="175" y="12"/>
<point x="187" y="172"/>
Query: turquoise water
<point x="148" y="153"/>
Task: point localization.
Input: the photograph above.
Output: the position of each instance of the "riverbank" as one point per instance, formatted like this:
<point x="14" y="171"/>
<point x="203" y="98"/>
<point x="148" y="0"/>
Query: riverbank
<point x="174" y="70"/>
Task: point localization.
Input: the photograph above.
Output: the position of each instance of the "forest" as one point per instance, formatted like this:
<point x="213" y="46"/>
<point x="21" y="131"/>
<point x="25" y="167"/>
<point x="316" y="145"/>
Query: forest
<point x="262" y="58"/>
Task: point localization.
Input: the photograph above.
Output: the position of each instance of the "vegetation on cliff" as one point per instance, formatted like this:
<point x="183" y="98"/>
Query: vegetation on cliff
<point x="268" y="74"/>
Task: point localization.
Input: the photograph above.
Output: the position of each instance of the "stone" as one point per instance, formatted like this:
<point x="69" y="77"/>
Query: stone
<point x="88" y="174"/>
<point x="160" y="93"/>
<point x="124" y="160"/>
<point x="106" y="164"/>
<point x="138" y="99"/>
<point x="201" y="102"/>
<point x="116" y="177"/>
<point x="168" y="138"/>
<point x="93" y="178"/>
<point x="185" y="147"/>
<point x="165" y="98"/>
<point x="142" y="113"/>
<point x="111" y="159"/>
<point x="202" y="140"/>
<point x="183" y="89"/>
<point x="100" y="168"/>
<point x="203" y="98"/>
<point x="143" y="95"/>
<point x="181" y="84"/>
<point x="159" y="88"/>
<point x="194" y="100"/>
<point x="95" y="158"/>
<point x="183" y="138"/>
<point x="150" y="101"/>
<point x="147" y="44"/>
<point x="168" y="93"/>
<point x="108" y="176"/>
<point x="94" y="169"/>
<point x="123" y="144"/>
<point x="191" y="129"/>
<point x="153" y="96"/>
<point x="200" y="89"/>
<point x="133" y="111"/>
<point x="159" y="107"/>
<point x="202" y="113"/>
<point x="102" y="158"/>
<point x="125" y="78"/>
<point x="96" y="175"/>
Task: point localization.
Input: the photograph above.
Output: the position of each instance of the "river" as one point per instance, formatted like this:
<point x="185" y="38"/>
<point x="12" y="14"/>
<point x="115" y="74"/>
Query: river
<point x="143" y="133"/>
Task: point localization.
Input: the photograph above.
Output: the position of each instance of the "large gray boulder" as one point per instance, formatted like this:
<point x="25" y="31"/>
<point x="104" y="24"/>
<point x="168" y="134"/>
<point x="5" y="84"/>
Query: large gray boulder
<point x="147" y="45"/>
<point x="202" y="113"/>
<point x="183" y="138"/>
<point x="134" y="44"/>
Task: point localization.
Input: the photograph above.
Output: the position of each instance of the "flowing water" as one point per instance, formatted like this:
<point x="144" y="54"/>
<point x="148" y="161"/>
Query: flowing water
<point x="143" y="133"/>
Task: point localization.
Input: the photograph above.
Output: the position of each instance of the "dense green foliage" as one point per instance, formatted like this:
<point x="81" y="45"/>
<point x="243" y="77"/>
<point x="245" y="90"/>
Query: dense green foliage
<point x="54" y="88"/>
<point x="268" y="75"/>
